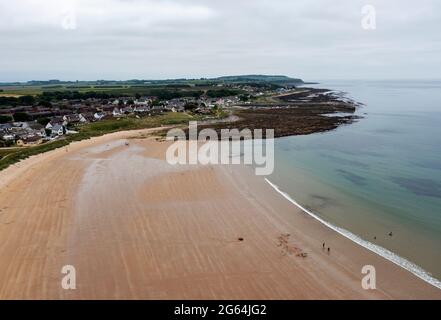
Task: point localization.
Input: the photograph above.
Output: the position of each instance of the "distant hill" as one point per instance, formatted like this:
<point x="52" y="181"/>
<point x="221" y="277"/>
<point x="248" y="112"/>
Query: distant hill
<point x="37" y="86"/>
<point x="276" y="79"/>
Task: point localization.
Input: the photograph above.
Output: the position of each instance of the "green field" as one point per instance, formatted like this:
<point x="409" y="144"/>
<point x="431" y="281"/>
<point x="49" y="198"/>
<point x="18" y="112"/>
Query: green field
<point x="143" y="87"/>
<point x="15" y="91"/>
<point x="36" y="90"/>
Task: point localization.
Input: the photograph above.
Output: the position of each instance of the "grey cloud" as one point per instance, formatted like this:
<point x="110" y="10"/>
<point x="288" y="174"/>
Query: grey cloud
<point x="120" y="39"/>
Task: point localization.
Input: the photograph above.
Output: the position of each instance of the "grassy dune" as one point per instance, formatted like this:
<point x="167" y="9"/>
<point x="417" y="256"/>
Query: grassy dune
<point x="13" y="155"/>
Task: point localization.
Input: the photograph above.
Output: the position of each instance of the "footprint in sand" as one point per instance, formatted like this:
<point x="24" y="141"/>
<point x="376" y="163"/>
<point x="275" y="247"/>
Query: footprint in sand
<point x="288" y="249"/>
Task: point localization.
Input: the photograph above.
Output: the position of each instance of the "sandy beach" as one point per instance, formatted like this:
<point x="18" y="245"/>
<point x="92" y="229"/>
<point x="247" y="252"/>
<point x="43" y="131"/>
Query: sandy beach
<point x="135" y="227"/>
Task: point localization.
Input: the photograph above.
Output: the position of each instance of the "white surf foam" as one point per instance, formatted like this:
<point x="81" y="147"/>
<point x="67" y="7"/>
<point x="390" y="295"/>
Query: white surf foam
<point x="383" y="252"/>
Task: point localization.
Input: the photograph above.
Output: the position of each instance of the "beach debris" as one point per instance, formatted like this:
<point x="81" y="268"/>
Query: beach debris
<point x="283" y="239"/>
<point x="283" y="242"/>
<point x="127" y="144"/>
<point x="240" y="239"/>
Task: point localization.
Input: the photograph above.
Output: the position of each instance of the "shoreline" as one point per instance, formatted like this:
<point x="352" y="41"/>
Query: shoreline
<point x="216" y="205"/>
<point x="381" y="251"/>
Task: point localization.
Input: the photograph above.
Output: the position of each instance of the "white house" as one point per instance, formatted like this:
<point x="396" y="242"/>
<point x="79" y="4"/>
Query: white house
<point x="99" y="115"/>
<point x="117" y="112"/>
<point x="141" y="109"/>
<point x="82" y="118"/>
<point x="7" y="137"/>
<point x="142" y="102"/>
<point x="57" y="130"/>
<point x="53" y="122"/>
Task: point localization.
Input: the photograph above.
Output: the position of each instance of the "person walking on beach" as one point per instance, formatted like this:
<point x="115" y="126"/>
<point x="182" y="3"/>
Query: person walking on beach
<point x="323" y="245"/>
<point x="329" y="250"/>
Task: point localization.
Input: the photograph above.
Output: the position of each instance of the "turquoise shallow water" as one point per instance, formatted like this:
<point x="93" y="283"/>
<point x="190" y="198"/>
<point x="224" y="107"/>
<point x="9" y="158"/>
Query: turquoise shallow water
<point x="379" y="175"/>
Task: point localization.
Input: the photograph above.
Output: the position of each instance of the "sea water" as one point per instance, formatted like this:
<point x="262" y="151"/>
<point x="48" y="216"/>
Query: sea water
<point x="379" y="178"/>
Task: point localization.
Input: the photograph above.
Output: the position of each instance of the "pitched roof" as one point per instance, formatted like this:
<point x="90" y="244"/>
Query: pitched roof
<point x="57" y="127"/>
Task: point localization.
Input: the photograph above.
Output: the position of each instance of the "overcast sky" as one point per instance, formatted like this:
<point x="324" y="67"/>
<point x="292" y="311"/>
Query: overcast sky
<point x="146" y="39"/>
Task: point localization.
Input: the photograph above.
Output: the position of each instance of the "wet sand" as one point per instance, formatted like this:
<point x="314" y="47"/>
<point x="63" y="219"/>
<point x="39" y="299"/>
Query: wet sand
<point x="135" y="227"/>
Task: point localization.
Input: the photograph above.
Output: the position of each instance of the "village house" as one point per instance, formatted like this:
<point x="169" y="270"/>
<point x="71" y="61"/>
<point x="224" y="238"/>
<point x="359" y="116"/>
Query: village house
<point x="141" y="109"/>
<point x="58" y="130"/>
<point x="176" y="104"/>
<point x="127" y="110"/>
<point x="86" y="117"/>
<point x="5" y="132"/>
<point x="36" y="129"/>
<point x="117" y="112"/>
<point x="64" y="114"/>
<point x="54" y="121"/>
<point x="142" y="102"/>
<point x="99" y="115"/>
<point x="71" y="119"/>
<point x="5" y="127"/>
<point x="7" y="136"/>
<point x="21" y="125"/>
<point x="107" y="108"/>
<point x="29" y="140"/>
<point x="157" y="109"/>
